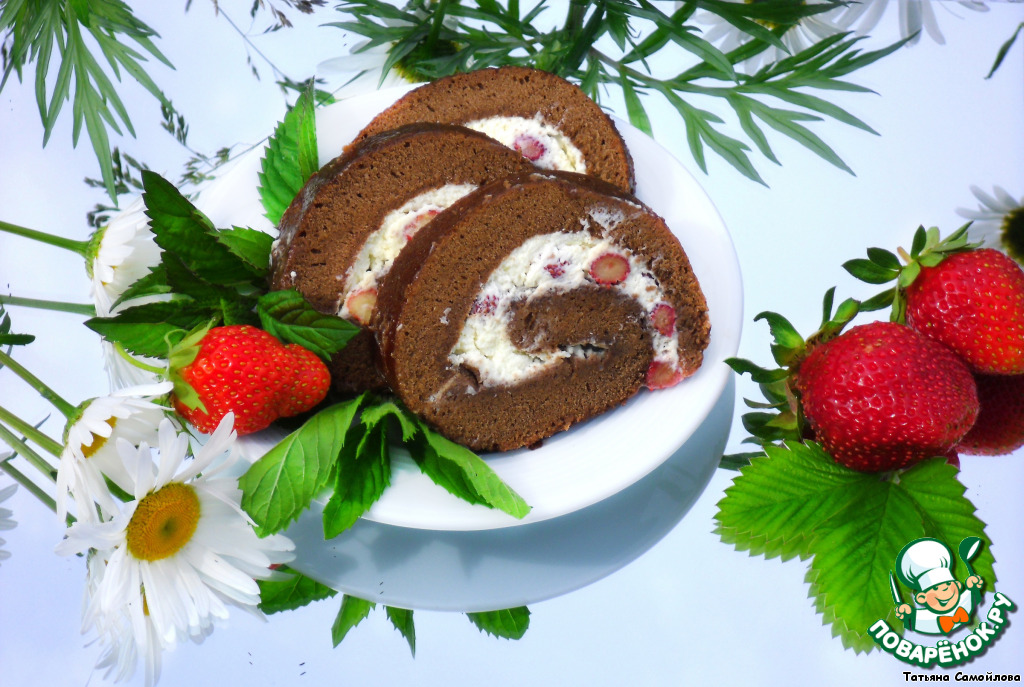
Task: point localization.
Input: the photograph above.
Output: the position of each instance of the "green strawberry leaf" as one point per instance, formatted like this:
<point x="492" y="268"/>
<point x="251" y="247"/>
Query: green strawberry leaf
<point x="294" y="591"/>
<point x="779" y="500"/>
<point x="291" y="158"/>
<point x="362" y="475"/>
<point x="463" y="473"/>
<point x="281" y="484"/>
<point x="289" y="316"/>
<point x="181" y="355"/>
<point x="510" y="623"/>
<point x="352" y="612"/>
<point x="181" y="229"/>
<point x="249" y="245"/>
<point x="151" y="329"/>
<point x="402" y="621"/>
<point x="870" y="272"/>
<point x="757" y="373"/>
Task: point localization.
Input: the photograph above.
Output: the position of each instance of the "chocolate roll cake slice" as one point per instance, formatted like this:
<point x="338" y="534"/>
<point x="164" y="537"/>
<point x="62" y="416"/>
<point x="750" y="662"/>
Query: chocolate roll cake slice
<point x="344" y="229"/>
<point x="549" y="120"/>
<point x="534" y="303"/>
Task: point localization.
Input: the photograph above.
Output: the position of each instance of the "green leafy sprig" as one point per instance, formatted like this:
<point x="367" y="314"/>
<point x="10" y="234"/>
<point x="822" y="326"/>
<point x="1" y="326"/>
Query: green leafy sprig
<point x="38" y="29"/>
<point x="291" y="157"/>
<point x="431" y="40"/>
<point x="345" y="451"/>
<point x="293" y="590"/>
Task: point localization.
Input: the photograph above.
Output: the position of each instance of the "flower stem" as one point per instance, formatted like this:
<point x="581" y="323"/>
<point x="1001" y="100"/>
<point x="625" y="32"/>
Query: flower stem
<point x="79" y="247"/>
<point x="23" y="450"/>
<point x="31" y="432"/>
<point x="49" y="394"/>
<point x="59" y="306"/>
<point x="31" y="487"/>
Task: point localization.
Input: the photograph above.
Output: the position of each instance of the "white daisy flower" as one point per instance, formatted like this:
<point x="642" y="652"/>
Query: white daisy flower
<point x="805" y="33"/>
<point x="6" y="523"/>
<point x="183" y="550"/>
<point x="90" y="447"/>
<point x="915" y="15"/>
<point x="125" y="633"/>
<point x="998" y="222"/>
<point x="120" y="253"/>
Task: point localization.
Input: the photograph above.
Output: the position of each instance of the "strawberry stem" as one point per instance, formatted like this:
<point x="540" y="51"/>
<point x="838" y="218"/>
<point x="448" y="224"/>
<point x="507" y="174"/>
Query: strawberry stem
<point x="23" y="449"/>
<point x="58" y="306"/>
<point x="31" y="432"/>
<point x="46" y="392"/>
<point x="905" y="255"/>
<point x="80" y="247"/>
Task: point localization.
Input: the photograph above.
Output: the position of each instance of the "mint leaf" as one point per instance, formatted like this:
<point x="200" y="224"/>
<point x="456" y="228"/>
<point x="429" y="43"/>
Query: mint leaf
<point x="779" y="500"/>
<point x="289" y="316"/>
<point x="249" y="245"/>
<point x="152" y="284"/>
<point x="510" y="623"/>
<point x="295" y="591"/>
<point x="150" y="329"/>
<point x="352" y="612"/>
<point x="363" y="473"/>
<point x="401" y="619"/>
<point x="291" y="158"/>
<point x="281" y="484"/>
<point x="181" y="229"/>
<point x="464" y="474"/>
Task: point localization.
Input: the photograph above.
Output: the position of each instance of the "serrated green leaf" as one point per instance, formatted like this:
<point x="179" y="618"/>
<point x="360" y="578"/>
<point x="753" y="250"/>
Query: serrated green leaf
<point x="289" y="316"/>
<point x="352" y="612"/>
<point x="778" y="501"/>
<point x="509" y="623"/>
<point x="149" y="330"/>
<point x="463" y="473"/>
<point x="384" y="409"/>
<point x="362" y="476"/>
<point x="291" y="592"/>
<point x="182" y="230"/>
<point x="250" y="245"/>
<point x="278" y="487"/>
<point x="402" y="621"/>
<point x="291" y="158"/>
<point x="152" y="284"/>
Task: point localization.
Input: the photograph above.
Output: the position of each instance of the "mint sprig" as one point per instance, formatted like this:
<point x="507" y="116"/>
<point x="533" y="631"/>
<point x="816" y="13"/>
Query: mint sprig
<point x="293" y="590"/>
<point x="291" y="157"/>
<point x="347" y="447"/>
<point x="509" y="623"/>
<point x="289" y="316"/>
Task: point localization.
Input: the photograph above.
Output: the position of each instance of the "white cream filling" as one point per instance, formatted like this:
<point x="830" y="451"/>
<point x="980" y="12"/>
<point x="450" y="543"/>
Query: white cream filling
<point x="385" y="243"/>
<point x="559" y="152"/>
<point x="484" y="344"/>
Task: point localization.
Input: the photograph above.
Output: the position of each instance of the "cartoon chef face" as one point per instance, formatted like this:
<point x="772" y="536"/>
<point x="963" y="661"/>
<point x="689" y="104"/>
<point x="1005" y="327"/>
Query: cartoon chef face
<point x="940" y="598"/>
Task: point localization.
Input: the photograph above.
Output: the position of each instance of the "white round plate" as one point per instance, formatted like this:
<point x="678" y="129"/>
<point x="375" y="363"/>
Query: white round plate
<point x="595" y="459"/>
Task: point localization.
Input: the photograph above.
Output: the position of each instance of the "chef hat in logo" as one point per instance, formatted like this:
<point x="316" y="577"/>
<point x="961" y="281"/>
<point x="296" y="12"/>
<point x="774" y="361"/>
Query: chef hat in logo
<point x="924" y="563"/>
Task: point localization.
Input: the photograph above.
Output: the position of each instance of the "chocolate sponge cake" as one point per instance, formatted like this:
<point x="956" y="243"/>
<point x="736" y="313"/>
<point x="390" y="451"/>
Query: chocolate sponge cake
<point x="342" y="231"/>
<point x="534" y="303"/>
<point x="549" y="120"/>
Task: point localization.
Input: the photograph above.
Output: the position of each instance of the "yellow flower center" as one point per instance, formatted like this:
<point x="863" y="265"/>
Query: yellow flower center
<point x="163" y="522"/>
<point x="98" y="441"/>
<point x="1012" y="234"/>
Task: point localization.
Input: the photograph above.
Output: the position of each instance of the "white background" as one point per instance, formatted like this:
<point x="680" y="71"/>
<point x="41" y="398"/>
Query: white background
<point x="691" y="610"/>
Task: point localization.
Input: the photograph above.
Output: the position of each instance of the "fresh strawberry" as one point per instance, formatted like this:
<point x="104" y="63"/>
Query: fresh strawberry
<point x="609" y="269"/>
<point x="361" y="304"/>
<point x="1000" y="425"/>
<point x="485" y="306"/>
<point x="973" y="302"/>
<point x="881" y="396"/>
<point x="245" y="371"/>
<point x="418" y="222"/>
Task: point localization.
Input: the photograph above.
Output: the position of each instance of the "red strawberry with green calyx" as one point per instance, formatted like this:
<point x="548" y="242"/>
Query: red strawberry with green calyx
<point x="246" y="371"/>
<point x="970" y="300"/>
<point x="882" y="396"/>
